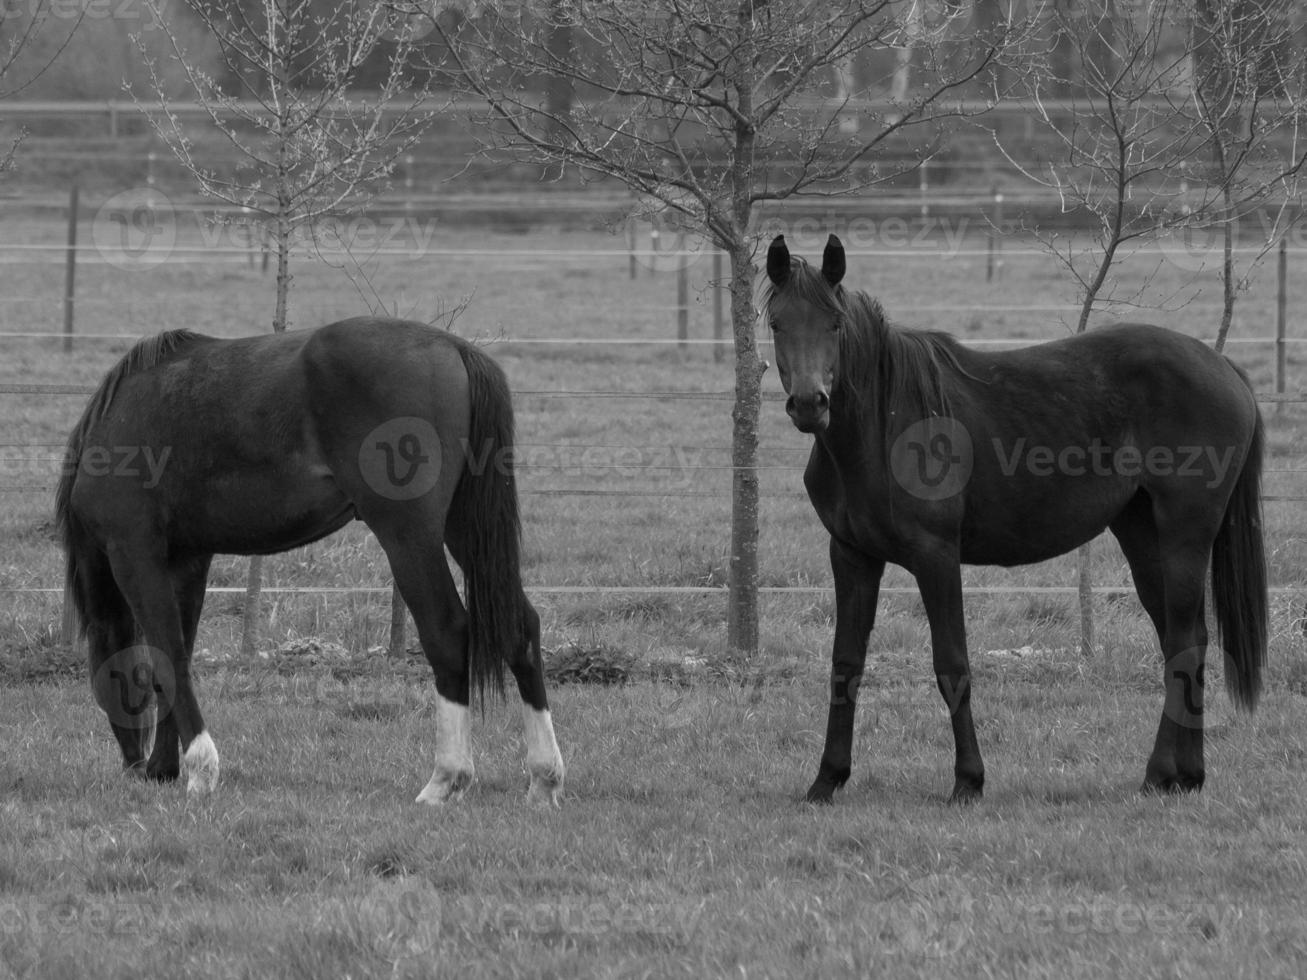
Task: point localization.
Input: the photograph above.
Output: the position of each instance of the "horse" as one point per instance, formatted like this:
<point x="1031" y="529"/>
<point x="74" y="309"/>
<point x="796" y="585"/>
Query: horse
<point x="929" y="454"/>
<point x="193" y="446"/>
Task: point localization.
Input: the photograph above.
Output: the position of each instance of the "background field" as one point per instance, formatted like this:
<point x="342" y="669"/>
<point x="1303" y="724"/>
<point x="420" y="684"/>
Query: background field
<point x="681" y="848"/>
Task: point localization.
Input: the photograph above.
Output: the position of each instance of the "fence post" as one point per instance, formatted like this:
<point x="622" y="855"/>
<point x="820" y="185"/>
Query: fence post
<point x="253" y="604"/>
<point x="682" y="297"/>
<point x="718" y="311"/>
<point x="631" y="246"/>
<point x="996" y="223"/>
<point x="398" y="622"/>
<point x="923" y="187"/>
<point x="70" y="270"/>
<point x="1281" y="317"/>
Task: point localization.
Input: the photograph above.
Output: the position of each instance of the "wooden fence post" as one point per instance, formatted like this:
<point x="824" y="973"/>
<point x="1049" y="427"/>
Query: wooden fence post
<point x="398" y="622"/>
<point x="995" y="227"/>
<point x="718" y="309"/>
<point x="682" y="297"/>
<point x="70" y="270"/>
<point x="1281" y="321"/>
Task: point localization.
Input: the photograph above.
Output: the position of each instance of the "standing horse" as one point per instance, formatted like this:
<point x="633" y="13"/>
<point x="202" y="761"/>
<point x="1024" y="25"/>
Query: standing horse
<point x="194" y="446"/>
<point x="930" y="455"/>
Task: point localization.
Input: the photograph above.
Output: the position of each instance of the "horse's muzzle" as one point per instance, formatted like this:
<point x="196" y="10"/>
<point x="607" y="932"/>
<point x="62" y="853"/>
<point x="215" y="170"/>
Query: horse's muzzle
<point x="809" y="413"/>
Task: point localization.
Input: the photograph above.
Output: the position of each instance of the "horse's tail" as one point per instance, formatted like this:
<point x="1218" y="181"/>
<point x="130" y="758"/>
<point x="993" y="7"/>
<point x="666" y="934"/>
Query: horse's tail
<point x="92" y="599"/>
<point x="93" y="603"/>
<point x="483" y="520"/>
<point x="1239" y="580"/>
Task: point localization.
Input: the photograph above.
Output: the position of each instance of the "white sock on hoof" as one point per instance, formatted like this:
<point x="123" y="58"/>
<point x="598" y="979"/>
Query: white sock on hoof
<point x="543" y="759"/>
<point x="454" y="771"/>
<point x="201" y="764"/>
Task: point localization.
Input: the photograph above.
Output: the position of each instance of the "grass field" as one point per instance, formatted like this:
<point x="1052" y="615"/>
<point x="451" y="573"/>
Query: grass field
<point x="681" y="849"/>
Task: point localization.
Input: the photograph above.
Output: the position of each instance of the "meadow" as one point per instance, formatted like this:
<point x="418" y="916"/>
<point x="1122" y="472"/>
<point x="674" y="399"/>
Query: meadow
<point x="681" y="848"/>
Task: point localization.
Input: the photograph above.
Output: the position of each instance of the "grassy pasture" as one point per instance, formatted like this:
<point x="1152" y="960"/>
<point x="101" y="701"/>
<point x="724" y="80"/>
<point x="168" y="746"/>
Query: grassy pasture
<point x="681" y="849"/>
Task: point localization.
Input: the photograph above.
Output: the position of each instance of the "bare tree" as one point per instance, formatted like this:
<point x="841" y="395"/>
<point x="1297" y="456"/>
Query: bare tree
<point x="308" y="146"/>
<point x="709" y="109"/>
<point x="1249" y="95"/>
<point x="1117" y="154"/>
<point x="28" y="47"/>
<point x="1126" y="133"/>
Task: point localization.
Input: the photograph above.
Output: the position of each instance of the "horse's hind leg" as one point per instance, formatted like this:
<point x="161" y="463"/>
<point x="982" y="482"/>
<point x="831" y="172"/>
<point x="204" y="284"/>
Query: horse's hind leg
<point x="1136" y="533"/>
<point x="1176" y="762"/>
<point x="1184" y="545"/>
<point x="544" y="762"/>
<point x="424" y="580"/>
<point x="145" y="581"/>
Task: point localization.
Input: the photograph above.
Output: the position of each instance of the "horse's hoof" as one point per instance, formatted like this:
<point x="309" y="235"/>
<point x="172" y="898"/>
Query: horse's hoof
<point x="163" y="774"/>
<point x="545" y="791"/>
<point x="820" y="793"/>
<point x="445" y="786"/>
<point x="1171" y="785"/>
<point x="201" y="765"/>
<point x="964" y="794"/>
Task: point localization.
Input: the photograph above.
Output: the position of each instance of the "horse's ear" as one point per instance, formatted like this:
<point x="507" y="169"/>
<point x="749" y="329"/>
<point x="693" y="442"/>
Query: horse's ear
<point x="832" y="261"/>
<point x="778" y="261"/>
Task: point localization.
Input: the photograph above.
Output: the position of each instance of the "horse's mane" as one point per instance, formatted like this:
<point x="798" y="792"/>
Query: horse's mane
<point x="145" y="354"/>
<point x="905" y="369"/>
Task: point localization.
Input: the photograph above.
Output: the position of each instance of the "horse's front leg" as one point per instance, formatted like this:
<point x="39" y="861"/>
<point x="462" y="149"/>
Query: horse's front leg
<point x="857" y="589"/>
<point x="940" y="582"/>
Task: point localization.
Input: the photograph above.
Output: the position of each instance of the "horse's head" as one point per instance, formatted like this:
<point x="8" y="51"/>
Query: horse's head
<point x="806" y="317"/>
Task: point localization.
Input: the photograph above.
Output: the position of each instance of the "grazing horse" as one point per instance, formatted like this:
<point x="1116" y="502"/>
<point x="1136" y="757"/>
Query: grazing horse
<point x="194" y="446"/>
<point x="929" y="454"/>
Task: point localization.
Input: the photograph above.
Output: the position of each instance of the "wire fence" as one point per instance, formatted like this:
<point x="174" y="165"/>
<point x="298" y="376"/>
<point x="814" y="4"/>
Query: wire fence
<point x="182" y="254"/>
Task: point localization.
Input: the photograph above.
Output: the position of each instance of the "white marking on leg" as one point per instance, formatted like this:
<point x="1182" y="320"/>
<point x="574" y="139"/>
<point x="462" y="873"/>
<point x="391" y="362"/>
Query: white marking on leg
<point x="151" y="724"/>
<point x="201" y="764"/>
<point x="543" y="760"/>
<point x="454" y="772"/>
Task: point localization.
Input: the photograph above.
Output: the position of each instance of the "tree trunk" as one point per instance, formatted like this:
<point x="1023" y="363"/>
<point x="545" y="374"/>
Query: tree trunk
<point x="251" y="625"/>
<point x="559" y="93"/>
<point x="253" y="608"/>
<point x="742" y="618"/>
